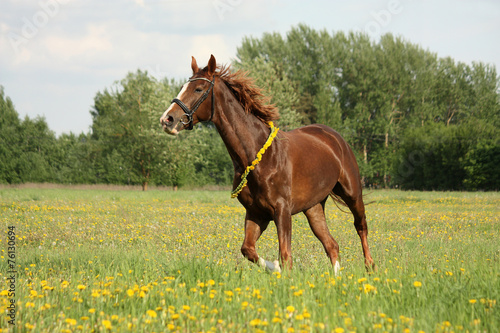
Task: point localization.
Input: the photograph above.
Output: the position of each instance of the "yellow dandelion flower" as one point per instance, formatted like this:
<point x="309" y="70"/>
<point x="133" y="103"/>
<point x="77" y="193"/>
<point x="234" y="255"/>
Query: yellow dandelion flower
<point x="81" y="287"/>
<point x="417" y="284"/>
<point x="255" y="322"/>
<point x="30" y="305"/>
<point x="277" y="320"/>
<point x="92" y="310"/>
<point x="130" y="292"/>
<point x="367" y="288"/>
<point x="70" y="321"/>
<point x="171" y="327"/>
<point x="106" y="324"/>
<point x="473" y="301"/>
<point x="186" y="307"/>
<point x="84" y="318"/>
<point x="151" y="313"/>
<point x="290" y="308"/>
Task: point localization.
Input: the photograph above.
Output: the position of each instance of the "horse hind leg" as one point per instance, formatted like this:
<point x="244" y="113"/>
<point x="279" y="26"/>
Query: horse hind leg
<point x="354" y="200"/>
<point x="317" y="221"/>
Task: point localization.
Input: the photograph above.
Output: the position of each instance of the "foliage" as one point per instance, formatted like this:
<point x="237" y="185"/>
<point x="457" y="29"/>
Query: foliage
<point x="376" y="93"/>
<point x="114" y="261"/>
<point x="414" y="120"/>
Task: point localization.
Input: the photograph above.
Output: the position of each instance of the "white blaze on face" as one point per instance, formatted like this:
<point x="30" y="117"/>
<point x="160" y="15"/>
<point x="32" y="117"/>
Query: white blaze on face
<point x="179" y="97"/>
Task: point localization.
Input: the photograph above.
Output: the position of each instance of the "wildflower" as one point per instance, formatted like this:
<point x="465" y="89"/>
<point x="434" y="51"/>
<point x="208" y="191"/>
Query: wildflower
<point x="81" y="287"/>
<point x="473" y="301"/>
<point x="255" y="322"/>
<point x="92" y="310"/>
<point x="290" y="308"/>
<point x="30" y="304"/>
<point x="367" y="288"/>
<point x="186" y="307"/>
<point x="106" y="324"/>
<point x="70" y="321"/>
<point x="151" y="313"/>
<point x="339" y="330"/>
<point x="417" y="284"/>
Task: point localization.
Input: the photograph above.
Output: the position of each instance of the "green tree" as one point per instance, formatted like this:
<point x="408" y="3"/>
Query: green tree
<point x="10" y="126"/>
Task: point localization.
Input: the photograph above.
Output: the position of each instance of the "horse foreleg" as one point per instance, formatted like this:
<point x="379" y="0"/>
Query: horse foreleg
<point x="253" y="229"/>
<point x="283" y="221"/>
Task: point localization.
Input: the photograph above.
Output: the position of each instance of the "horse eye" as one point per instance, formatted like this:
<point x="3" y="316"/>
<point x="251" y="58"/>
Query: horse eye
<point x="198" y="90"/>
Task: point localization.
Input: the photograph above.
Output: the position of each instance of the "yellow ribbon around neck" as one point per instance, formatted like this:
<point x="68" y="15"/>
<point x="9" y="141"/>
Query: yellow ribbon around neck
<point x="272" y="135"/>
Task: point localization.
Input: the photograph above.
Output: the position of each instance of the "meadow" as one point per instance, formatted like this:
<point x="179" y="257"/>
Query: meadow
<point x="164" y="261"/>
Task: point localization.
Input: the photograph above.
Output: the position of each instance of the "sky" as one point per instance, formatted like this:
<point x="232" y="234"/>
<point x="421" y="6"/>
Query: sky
<point x="56" y="55"/>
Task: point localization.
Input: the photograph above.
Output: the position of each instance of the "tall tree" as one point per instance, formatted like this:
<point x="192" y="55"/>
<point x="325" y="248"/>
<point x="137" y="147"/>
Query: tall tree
<point x="125" y="125"/>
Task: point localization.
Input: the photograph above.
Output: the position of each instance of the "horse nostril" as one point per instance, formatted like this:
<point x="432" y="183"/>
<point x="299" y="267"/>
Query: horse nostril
<point x="167" y="121"/>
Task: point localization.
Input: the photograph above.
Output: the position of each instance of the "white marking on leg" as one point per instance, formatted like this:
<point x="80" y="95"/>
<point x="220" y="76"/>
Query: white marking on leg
<point x="336" y="268"/>
<point x="269" y="266"/>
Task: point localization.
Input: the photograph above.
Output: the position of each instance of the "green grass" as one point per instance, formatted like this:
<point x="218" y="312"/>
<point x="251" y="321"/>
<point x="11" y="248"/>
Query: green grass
<point x="160" y="261"/>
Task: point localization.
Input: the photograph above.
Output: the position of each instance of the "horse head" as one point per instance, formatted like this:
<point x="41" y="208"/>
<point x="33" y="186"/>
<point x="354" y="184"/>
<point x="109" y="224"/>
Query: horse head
<point x="195" y="101"/>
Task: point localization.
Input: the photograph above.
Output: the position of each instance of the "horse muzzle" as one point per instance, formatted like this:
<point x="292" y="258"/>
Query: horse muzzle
<point x="170" y="123"/>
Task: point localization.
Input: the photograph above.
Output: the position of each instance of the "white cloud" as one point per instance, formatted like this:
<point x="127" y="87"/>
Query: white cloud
<point x="140" y="3"/>
<point x="90" y="46"/>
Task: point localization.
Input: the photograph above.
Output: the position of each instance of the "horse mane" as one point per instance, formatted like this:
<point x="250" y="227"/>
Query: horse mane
<point x="251" y="97"/>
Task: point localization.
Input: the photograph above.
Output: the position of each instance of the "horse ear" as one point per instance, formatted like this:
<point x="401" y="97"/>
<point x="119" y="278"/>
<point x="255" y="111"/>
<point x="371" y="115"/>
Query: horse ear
<point x="212" y="65"/>
<point x="194" y="65"/>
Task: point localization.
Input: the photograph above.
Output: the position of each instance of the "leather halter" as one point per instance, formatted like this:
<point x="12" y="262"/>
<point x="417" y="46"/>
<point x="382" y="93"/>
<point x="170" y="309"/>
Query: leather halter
<point x="187" y="117"/>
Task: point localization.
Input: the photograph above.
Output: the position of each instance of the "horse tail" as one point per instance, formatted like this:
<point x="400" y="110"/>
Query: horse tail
<point x="338" y="201"/>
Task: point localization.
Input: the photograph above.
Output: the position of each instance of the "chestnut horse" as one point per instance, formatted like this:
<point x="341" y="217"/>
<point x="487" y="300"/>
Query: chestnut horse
<point x="297" y="173"/>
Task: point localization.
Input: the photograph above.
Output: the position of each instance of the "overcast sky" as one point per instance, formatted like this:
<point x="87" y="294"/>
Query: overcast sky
<point x="55" y="55"/>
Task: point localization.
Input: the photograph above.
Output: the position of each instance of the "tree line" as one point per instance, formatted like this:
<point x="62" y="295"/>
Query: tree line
<point x="414" y="120"/>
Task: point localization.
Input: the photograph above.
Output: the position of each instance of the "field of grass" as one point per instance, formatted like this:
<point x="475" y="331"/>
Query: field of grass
<point x="162" y="261"/>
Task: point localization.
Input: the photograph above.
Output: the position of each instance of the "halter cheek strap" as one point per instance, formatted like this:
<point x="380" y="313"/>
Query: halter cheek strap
<point x="187" y="118"/>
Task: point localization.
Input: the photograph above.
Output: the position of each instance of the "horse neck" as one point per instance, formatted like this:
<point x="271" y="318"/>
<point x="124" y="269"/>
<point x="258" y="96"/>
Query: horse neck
<point x="242" y="133"/>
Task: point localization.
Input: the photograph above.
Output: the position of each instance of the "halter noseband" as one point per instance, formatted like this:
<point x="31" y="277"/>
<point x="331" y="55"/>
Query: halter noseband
<point x="187" y="117"/>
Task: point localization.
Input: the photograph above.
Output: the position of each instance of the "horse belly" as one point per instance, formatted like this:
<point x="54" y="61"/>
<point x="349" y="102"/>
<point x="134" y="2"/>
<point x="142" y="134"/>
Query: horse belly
<point x="316" y="170"/>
